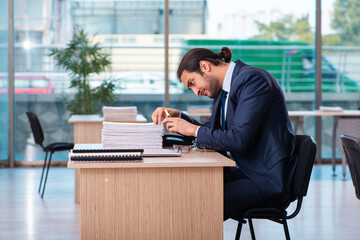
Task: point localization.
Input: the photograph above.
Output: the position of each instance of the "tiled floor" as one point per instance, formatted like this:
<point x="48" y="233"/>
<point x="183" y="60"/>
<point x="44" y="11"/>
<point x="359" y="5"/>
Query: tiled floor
<point x="330" y="211"/>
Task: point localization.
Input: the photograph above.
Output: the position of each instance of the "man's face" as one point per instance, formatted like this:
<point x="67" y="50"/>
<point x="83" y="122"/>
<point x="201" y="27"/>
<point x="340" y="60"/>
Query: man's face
<point x="206" y="85"/>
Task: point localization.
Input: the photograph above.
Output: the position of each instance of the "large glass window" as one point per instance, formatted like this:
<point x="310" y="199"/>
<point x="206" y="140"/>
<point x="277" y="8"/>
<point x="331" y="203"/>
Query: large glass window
<point x="341" y="78"/>
<point x="38" y="26"/>
<point x="275" y="35"/>
<point x="130" y="32"/>
<point x="4" y="81"/>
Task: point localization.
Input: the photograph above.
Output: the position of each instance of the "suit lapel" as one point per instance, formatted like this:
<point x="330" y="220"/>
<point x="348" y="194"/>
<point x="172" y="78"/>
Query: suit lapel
<point x="215" y="122"/>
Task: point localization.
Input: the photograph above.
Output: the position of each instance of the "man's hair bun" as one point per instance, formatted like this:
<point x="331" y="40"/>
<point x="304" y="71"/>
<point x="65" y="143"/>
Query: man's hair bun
<point x="225" y="54"/>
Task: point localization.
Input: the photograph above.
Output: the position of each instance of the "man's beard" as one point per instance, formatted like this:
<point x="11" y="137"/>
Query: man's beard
<point x="213" y="88"/>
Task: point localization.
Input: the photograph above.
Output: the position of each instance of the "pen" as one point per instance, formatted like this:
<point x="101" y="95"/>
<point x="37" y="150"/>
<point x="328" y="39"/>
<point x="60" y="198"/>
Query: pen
<point x="167" y="113"/>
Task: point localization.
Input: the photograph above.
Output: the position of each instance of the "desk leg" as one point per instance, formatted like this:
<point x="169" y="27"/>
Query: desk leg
<point x="152" y="203"/>
<point x="298" y="124"/>
<point x="343" y="162"/>
<point x="301" y="124"/>
<point x="85" y="132"/>
<point x="333" y="157"/>
<point x="77" y="185"/>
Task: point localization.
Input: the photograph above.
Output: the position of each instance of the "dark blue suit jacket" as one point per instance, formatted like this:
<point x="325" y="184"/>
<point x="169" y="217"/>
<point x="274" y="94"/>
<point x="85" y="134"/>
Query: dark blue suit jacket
<point x="258" y="132"/>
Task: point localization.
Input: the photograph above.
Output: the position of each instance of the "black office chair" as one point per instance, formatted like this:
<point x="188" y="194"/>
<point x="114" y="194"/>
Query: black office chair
<point x="51" y="148"/>
<point x="306" y="148"/>
<point x="351" y="147"/>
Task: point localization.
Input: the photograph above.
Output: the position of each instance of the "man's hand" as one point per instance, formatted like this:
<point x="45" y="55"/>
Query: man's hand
<point x="159" y="114"/>
<point x="179" y="125"/>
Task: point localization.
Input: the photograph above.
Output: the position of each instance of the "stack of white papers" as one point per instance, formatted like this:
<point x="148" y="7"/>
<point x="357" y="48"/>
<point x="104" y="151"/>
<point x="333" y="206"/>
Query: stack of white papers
<point x="119" y="113"/>
<point x="132" y="135"/>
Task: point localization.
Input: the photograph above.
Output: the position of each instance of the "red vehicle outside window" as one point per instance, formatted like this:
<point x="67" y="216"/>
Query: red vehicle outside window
<point x="29" y="85"/>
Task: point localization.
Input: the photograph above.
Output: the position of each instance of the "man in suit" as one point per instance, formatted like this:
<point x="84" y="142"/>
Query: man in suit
<point x="249" y="123"/>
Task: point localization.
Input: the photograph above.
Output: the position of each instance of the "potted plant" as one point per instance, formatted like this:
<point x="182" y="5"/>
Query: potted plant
<point x="81" y="58"/>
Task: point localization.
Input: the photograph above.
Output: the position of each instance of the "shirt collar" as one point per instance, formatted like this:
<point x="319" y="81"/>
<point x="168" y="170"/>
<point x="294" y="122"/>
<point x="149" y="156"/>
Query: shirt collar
<point x="228" y="76"/>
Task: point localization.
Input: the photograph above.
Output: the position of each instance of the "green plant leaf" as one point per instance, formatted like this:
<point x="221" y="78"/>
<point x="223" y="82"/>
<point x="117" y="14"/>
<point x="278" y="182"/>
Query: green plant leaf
<point x="81" y="58"/>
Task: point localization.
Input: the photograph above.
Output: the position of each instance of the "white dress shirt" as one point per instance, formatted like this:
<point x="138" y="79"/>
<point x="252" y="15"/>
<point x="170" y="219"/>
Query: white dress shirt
<point x="226" y="86"/>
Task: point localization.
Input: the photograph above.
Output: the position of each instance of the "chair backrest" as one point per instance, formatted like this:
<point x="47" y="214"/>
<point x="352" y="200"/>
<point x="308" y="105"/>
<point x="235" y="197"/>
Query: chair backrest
<point x="36" y="128"/>
<point x="306" y="149"/>
<point x="351" y="147"/>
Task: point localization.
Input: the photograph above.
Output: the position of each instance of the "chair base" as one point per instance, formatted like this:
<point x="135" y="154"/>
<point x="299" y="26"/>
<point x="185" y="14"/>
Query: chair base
<point x="252" y="231"/>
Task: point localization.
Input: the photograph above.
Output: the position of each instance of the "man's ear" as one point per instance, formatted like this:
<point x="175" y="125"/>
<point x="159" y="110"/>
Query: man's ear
<point x="204" y="66"/>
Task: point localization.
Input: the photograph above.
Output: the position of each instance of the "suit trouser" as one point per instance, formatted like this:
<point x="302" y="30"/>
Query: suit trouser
<point x="240" y="194"/>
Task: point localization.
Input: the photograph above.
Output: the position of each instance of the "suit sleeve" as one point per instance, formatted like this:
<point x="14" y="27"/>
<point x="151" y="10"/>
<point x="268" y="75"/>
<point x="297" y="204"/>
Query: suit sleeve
<point x="252" y="99"/>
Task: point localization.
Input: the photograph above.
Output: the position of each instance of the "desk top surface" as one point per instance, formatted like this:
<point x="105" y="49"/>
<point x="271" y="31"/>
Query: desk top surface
<point x="196" y="158"/>
<point x="97" y="118"/>
<point x="324" y="113"/>
<point x="303" y="113"/>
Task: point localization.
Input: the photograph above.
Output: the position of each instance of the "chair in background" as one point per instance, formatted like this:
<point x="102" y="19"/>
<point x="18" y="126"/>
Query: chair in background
<point x="50" y="148"/>
<point x="351" y="147"/>
<point x="306" y="149"/>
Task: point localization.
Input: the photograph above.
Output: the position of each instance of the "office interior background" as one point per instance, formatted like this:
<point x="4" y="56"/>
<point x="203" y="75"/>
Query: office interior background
<point x="280" y="36"/>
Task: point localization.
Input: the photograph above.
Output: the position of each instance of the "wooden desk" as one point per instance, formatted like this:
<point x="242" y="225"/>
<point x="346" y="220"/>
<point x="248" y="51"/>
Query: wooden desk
<point x="158" y="198"/>
<point x="87" y="129"/>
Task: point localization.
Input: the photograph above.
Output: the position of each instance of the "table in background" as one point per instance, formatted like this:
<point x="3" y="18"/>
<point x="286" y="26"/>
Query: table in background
<point x="349" y="120"/>
<point x="340" y="118"/>
<point x="157" y="198"/>
<point x="87" y="129"/>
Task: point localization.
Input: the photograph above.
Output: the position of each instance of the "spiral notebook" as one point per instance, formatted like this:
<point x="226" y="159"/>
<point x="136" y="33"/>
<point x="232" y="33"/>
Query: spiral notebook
<point x="105" y="154"/>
